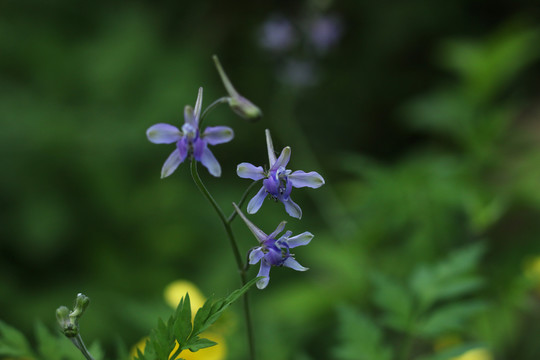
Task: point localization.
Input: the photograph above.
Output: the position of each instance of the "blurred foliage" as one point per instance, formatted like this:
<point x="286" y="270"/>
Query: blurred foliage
<point x="423" y="119"/>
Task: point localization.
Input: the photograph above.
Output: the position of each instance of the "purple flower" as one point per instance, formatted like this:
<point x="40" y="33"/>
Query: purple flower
<point x="277" y="34"/>
<point x="325" y="32"/>
<point x="189" y="140"/>
<point x="278" y="181"/>
<point x="272" y="251"/>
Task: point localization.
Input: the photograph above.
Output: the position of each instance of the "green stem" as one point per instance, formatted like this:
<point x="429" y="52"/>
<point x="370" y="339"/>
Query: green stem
<point x="234" y="246"/>
<point x="242" y="199"/>
<point x="212" y="106"/>
<point x="79" y="343"/>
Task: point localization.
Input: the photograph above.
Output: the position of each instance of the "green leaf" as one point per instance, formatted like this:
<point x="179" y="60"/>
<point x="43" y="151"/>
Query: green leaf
<point x="452" y="317"/>
<point x="449" y="278"/>
<point x="221" y="305"/>
<point x="13" y="343"/>
<point x="200" y="343"/>
<point x="358" y="337"/>
<point x="179" y="327"/>
<point x="182" y="324"/>
<point x="394" y="299"/>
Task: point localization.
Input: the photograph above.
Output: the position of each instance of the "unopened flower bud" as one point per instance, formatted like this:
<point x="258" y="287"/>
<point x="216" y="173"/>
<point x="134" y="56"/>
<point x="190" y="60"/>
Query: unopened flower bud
<point x="62" y="315"/>
<point x="81" y="303"/>
<point x="239" y="104"/>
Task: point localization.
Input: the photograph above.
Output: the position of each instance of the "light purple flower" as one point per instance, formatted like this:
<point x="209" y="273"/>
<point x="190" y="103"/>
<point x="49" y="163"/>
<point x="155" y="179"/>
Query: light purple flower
<point x="272" y="251"/>
<point x="278" y="181"/>
<point x="189" y="141"/>
<point x="324" y="32"/>
<point x="277" y="34"/>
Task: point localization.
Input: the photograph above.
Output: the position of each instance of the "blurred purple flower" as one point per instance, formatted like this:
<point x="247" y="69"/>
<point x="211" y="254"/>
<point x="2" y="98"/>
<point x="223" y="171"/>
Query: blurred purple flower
<point x="272" y="251"/>
<point x="324" y="32"/>
<point x="278" y="181"/>
<point x="189" y="140"/>
<point x="277" y="34"/>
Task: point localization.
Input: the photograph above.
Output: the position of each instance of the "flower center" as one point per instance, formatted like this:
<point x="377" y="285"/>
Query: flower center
<point x="277" y="184"/>
<point x="189" y="131"/>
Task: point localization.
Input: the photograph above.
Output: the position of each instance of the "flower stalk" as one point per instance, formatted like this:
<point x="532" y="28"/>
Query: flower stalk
<point x="234" y="245"/>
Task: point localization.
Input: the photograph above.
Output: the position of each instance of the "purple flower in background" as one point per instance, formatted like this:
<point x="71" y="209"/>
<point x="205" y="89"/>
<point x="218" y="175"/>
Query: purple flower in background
<point x="324" y="32"/>
<point x="277" y="34"/>
<point x="278" y="181"/>
<point x="272" y="251"/>
<point x="189" y="140"/>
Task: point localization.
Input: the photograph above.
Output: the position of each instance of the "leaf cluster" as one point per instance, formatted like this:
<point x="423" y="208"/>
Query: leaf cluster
<point x="13" y="344"/>
<point x="180" y="333"/>
<point x="436" y="300"/>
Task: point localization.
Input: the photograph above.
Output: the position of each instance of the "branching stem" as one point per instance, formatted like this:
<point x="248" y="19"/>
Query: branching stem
<point x="239" y="262"/>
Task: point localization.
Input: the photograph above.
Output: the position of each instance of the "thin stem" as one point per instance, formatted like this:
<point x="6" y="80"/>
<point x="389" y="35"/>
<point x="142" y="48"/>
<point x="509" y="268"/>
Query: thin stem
<point x="236" y="252"/>
<point x="242" y="199"/>
<point x="79" y="343"/>
<point x="212" y="106"/>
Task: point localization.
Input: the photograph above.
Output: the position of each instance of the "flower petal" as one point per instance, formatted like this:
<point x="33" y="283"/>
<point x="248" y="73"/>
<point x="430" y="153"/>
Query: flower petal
<point x="256" y="202"/>
<point x="283" y="159"/>
<point x="270" y="148"/>
<point x="171" y="163"/>
<point x="259" y="234"/>
<point x="248" y="171"/>
<point x="210" y="162"/>
<point x="302" y="179"/>
<point x="163" y="134"/>
<point x="198" y="106"/>
<point x="218" y="134"/>
<point x="183" y="147"/>
<point x="299" y="240"/>
<point x="292" y="209"/>
<point x="263" y="271"/>
<point x="279" y="229"/>
<point x="255" y="255"/>
<point x="189" y="118"/>
<point x="290" y="262"/>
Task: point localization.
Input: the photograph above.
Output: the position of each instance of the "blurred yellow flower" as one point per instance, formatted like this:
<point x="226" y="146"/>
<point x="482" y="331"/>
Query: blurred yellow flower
<point x="475" y="354"/>
<point x="532" y="273"/>
<point x="173" y="294"/>
<point x="178" y="289"/>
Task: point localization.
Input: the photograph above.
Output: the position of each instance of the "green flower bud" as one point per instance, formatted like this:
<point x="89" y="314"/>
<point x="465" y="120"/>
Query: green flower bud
<point x="81" y="303"/>
<point x="239" y="104"/>
<point x="62" y="315"/>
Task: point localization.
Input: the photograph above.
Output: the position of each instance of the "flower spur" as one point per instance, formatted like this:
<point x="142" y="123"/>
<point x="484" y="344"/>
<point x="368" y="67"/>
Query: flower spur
<point x="278" y="181"/>
<point x="272" y="251"/>
<point x="189" y="141"/>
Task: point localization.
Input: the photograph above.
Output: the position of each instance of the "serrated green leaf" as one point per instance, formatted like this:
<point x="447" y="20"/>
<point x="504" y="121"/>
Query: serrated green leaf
<point x="448" y="278"/>
<point x="222" y="304"/>
<point x="202" y="315"/>
<point x="13" y="342"/>
<point x="200" y="343"/>
<point x="449" y="318"/>
<point x="359" y="338"/>
<point x="182" y="323"/>
<point x="179" y="326"/>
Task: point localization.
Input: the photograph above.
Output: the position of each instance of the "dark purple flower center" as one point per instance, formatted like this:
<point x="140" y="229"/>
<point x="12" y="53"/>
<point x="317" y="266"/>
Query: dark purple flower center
<point x="277" y="184"/>
<point x="275" y="252"/>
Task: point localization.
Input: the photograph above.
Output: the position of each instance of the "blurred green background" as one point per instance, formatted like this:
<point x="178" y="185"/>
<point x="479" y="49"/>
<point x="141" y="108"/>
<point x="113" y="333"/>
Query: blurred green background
<point x="422" y="116"/>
